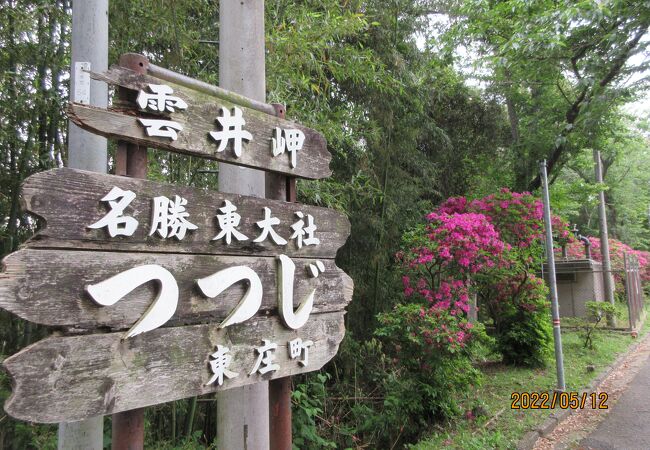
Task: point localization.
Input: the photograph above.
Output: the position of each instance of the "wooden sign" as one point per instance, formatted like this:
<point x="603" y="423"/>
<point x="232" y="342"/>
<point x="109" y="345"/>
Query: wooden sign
<point x="206" y="126"/>
<point x="69" y="201"/>
<point x="177" y="278"/>
<point x="161" y="292"/>
<point x="48" y="287"/>
<point x="71" y="378"/>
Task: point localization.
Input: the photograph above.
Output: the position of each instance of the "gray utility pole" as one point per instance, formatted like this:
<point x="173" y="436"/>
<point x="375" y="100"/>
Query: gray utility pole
<point x="242" y="413"/>
<point x="88" y="152"/>
<point x="555" y="310"/>
<point x="604" y="238"/>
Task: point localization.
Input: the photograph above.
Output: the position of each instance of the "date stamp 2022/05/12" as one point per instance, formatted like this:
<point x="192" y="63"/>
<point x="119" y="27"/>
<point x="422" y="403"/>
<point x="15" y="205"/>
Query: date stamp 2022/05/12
<point x="562" y="400"/>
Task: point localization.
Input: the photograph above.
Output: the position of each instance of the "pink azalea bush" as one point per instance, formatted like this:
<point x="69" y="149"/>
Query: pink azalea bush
<point x="490" y="247"/>
<point x="430" y="337"/>
<point x="430" y="349"/>
<point x="516" y="216"/>
<point x="617" y="250"/>
<point x="443" y="255"/>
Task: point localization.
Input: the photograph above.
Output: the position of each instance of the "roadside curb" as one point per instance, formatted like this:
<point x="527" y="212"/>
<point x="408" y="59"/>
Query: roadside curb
<point x="555" y="418"/>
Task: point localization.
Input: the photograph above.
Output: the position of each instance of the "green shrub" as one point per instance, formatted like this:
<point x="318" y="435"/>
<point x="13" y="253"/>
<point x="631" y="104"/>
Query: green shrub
<point x="432" y="365"/>
<point x="597" y="311"/>
<point x="307" y="405"/>
<point x="525" y="339"/>
<point x="521" y="316"/>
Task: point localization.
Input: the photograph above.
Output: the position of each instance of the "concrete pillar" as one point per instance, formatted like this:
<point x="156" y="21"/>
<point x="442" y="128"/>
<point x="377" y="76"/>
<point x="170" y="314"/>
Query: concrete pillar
<point x="242" y="413"/>
<point x="608" y="279"/>
<point x="88" y="152"/>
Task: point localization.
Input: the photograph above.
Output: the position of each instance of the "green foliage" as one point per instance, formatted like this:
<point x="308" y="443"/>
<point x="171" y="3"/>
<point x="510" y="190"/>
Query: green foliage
<point x="380" y="405"/>
<point x="525" y="340"/>
<point x="379" y="397"/>
<point x="34" y="62"/>
<point x="596" y="312"/>
<point x="561" y="66"/>
<point x="626" y="168"/>
<point x="432" y="368"/>
<point x="308" y="399"/>
<point x="190" y="443"/>
<point x="516" y="302"/>
<point x="500" y="381"/>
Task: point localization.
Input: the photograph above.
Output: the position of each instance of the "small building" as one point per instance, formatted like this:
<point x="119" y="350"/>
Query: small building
<point x="578" y="281"/>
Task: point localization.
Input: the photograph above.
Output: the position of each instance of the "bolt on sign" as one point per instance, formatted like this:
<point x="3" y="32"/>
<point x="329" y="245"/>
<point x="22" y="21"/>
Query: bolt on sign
<point x="161" y="292"/>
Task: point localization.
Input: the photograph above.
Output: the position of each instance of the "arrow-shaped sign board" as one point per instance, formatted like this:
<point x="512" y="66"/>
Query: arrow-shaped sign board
<point x="172" y="117"/>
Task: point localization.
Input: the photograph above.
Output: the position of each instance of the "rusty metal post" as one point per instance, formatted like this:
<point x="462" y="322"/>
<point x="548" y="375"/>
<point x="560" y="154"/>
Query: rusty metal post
<point x="280" y="413"/>
<point x="628" y="291"/>
<point x="279" y="187"/>
<point x="128" y="430"/>
<point x="130" y="160"/>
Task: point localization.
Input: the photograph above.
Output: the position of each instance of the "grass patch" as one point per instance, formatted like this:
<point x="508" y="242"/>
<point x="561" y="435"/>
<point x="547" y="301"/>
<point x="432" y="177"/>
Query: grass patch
<point x="622" y="319"/>
<point x="499" y="382"/>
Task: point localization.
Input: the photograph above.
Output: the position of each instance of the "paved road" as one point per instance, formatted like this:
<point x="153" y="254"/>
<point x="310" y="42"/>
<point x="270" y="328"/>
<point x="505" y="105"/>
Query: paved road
<point x="627" y="426"/>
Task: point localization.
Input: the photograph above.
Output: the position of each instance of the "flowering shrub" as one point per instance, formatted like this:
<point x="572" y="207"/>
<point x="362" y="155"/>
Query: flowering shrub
<point x="430" y="339"/>
<point x="421" y="337"/>
<point x="442" y="256"/>
<point x="510" y="294"/>
<point x="431" y="349"/>
<point x="517" y="304"/>
<point x="516" y="216"/>
<point x="492" y="247"/>
<point x="617" y="250"/>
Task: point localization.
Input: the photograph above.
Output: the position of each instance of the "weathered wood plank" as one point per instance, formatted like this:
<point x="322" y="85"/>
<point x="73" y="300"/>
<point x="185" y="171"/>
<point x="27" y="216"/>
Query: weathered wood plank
<point x="69" y="201"/>
<point x="198" y="120"/>
<point x="72" y="378"/>
<point x="47" y="287"/>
